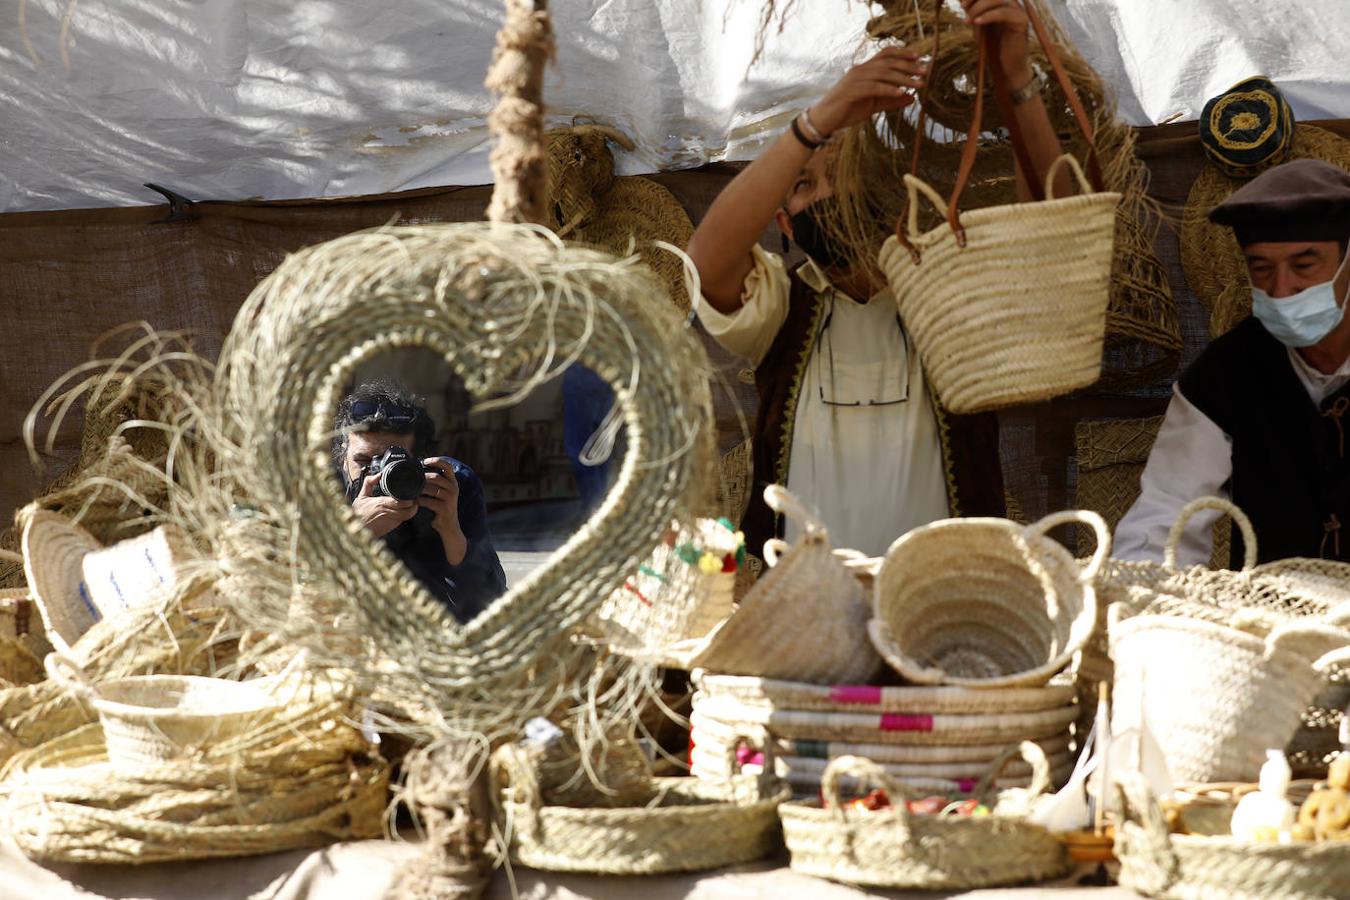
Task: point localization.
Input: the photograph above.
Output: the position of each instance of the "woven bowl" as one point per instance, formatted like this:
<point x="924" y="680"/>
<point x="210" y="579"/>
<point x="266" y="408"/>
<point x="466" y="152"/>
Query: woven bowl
<point x="985" y="602"/>
<point x="151" y="719"/>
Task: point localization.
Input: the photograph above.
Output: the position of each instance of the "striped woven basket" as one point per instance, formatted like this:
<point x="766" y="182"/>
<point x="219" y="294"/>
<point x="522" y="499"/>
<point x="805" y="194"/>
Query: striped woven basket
<point x="708" y="730"/>
<point x="689" y="825"/>
<point x="892" y="848"/>
<point x="1156" y="863"/>
<point x="952" y="729"/>
<point x="708" y="760"/>
<point x="796" y="695"/>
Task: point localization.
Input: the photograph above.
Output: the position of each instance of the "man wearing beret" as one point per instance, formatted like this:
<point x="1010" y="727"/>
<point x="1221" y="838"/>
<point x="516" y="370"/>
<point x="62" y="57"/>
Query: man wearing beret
<point x="1261" y="416"/>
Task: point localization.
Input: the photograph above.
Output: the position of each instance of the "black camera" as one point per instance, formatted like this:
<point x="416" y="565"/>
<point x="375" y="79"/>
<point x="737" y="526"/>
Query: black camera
<point x="401" y="476"/>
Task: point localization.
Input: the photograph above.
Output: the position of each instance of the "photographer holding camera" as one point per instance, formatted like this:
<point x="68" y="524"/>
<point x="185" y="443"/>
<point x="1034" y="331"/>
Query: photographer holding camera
<point x="430" y="511"/>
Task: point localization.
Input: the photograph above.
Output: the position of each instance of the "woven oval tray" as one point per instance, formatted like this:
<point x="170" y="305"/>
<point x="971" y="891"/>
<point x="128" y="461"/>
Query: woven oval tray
<point x="798" y="695"/>
<point x="65" y="803"/>
<point x="690" y="824"/>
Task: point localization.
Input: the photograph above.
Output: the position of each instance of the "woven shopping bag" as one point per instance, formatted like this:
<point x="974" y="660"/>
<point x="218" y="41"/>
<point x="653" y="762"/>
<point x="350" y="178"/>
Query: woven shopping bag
<point x="1007" y="304"/>
<point x="1222" y="664"/>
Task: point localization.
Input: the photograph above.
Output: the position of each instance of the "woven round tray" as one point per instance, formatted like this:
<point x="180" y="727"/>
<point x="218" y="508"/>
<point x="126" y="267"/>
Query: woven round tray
<point x="154" y="718"/>
<point x="885" y="728"/>
<point x="985" y="602"/>
<point x="1192" y="867"/>
<point x="689" y="825"/>
<point x="891" y="848"/>
<point x="314" y="785"/>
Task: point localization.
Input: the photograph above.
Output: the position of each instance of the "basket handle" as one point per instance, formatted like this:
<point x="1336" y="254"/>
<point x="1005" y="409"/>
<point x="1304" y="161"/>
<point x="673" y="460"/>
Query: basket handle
<point x="773" y="548"/>
<point x="856" y="560"/>
<point x="1154" y="841"/>
<point x="1227" y="507"/>
<point x="67" y="673"/>
<point x="783" y="501"/>
<point x="509" y="768"/>
<point x="1066" y="159"/>
<point x="915" y="186"/>
<point x="1080" y="517"/>
<point x="867" y="772"/>
<point x="1034" y="756"/>
<point x="1316" y="641"/>
<point x="764" y="743"/>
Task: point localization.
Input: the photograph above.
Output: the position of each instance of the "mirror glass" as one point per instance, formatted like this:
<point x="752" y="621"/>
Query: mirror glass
<point x="471" y="501"/>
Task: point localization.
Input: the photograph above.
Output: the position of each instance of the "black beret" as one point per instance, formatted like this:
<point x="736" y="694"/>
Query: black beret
<point x="1248" y="128"/>
<point x="1302" y="200"/>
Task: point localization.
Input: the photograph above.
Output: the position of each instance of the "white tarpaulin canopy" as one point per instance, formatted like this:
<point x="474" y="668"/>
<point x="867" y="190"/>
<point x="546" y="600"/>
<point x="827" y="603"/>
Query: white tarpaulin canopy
<point x="233" y="99"/>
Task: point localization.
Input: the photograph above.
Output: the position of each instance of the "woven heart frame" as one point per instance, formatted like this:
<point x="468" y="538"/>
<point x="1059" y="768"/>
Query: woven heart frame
<point x="508" y="307"/>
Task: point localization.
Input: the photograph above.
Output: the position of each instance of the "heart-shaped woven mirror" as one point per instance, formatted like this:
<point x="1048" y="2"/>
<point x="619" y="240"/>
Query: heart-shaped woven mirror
<point x="506" y="306"/>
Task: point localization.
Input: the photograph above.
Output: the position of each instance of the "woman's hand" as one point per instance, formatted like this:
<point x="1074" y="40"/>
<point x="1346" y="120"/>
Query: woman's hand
<point x="885" y="82"/>
<point x="1007" y="20"/>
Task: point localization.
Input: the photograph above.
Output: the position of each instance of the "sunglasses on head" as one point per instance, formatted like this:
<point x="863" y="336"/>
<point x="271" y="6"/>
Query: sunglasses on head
<point x="392" y="413"/>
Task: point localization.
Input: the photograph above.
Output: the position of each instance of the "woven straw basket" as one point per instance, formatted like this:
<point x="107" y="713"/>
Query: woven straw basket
<point x="985" y="602"/>
<point x="891" y="848"/>
<point x="1216" y="697"/>
<point x="670" y="599"/>
<point x="804" y="619"/>
<point x="1195" y="867"/>
<point x="688" y="826"/>
<point x="150" y="719"/>
<point x="1014" y="311"/>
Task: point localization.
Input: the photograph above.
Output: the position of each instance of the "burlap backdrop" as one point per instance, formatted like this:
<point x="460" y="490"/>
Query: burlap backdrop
<point x="69" y="276"/>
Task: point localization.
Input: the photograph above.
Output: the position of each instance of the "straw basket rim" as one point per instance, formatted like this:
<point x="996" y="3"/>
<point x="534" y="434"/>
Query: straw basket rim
<point x="928" y="698"/>
<point x="265" y="701"/>
<point x="985" y="214"/>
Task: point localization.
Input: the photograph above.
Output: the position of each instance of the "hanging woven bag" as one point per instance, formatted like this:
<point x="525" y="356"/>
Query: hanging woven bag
<point x="1007" y="304"/>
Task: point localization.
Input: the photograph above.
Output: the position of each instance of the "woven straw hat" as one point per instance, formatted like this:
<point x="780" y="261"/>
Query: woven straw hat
<point x="76" y="581"/>
<point x="1210" y="255"/>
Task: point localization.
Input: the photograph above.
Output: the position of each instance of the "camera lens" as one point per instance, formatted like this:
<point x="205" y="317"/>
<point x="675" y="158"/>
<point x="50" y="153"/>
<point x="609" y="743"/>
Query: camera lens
<point x="403" y="479"/>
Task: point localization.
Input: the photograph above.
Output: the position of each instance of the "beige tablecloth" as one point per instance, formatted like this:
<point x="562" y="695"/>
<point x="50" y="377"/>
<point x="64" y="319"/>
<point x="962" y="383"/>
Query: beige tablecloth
<point x="368" y="869"/>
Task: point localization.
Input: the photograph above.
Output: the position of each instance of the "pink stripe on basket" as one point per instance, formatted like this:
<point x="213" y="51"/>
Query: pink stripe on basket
<point x="855" y="693"/>
<point x="903" y="722"/>
<point x="966" y="785"/>
<point x="746" y="756"/>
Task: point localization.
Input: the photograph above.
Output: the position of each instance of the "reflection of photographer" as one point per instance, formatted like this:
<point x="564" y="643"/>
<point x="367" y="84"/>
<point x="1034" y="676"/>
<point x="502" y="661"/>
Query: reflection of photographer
<point x="429" y="511"/>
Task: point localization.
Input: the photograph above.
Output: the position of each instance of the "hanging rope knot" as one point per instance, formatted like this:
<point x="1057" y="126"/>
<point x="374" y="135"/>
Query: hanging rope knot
<point x="1331" y="528"/>
<point x="1335" y="413"/>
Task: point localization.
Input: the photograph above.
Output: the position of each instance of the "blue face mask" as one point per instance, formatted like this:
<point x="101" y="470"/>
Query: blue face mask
<point x="1303" y="319"/>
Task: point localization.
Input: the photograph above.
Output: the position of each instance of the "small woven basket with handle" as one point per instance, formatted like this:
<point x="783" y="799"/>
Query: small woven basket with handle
<point x="895" y="849"/>
<point x="689" y="825"/>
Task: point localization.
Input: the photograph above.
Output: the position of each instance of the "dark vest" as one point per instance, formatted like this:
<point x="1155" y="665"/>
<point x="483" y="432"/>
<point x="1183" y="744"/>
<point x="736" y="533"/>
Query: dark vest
<point x="969" y="443"/>
<point x="1291" y="472"/>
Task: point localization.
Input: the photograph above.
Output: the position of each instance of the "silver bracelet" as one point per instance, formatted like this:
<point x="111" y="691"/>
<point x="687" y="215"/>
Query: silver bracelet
<point x="1031" y="88"/>
<point x="810" y="128"/>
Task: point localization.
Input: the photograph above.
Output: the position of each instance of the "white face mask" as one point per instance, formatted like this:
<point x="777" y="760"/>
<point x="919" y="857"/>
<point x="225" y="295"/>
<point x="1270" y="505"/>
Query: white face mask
<point x="1305" y="318"/>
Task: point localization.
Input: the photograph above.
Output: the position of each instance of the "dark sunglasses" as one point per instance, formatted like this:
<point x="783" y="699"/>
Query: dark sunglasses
<point x="392" y="413"/>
